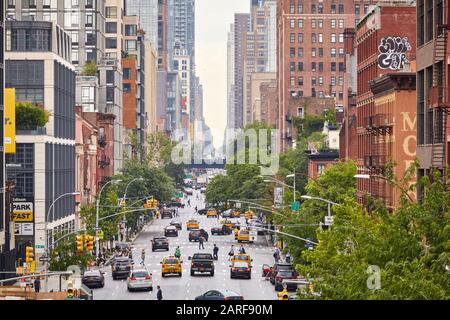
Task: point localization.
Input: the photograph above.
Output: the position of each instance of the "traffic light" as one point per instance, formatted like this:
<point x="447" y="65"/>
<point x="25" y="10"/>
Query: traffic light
<point x="80" y="243"/>
<point x="70" y="290"/>
<point x="29" y="255"/>
<point x="89" y="243"/>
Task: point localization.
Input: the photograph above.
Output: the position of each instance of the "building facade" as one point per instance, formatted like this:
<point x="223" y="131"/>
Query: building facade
<point x="147" y="11"/>
<point x="256" y="80"/>
<point x="377" y="35"/>
<point x="433" y="130"/>
<point x="43" y="167"/>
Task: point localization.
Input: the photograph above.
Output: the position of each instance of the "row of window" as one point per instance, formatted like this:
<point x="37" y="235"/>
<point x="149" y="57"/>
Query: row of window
<point x="130" y="29"/>
<point x="317" y="66"/>
<point x="317" y="23"/>
<point x="299" y="52"/>
<point x="317" y="37"/>
<point x="130" y="45"/>
<point x="300" y="81"/>
<point x="314" y="94"/>
<point x="320" y="8"/>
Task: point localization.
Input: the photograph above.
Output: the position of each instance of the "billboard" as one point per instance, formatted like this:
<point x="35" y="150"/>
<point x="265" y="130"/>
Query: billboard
<point x="10" y="120"/>
<point x="22" y="212"/>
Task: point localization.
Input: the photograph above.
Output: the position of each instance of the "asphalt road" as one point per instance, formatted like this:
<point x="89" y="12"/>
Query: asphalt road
<point x="188" y="287"/>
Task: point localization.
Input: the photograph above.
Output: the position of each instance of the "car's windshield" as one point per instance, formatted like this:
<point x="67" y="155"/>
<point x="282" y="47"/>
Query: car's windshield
<point x="240" y="265"/>
<point x="203" y="256"/>
<point x="244" y="232"/>
<point x="171" y="261"/>
<point x="242" y="258"/>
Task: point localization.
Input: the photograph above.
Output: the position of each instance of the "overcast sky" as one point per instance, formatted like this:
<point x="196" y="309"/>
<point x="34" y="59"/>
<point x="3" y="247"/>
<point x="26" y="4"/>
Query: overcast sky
<point x="213" y="19"/>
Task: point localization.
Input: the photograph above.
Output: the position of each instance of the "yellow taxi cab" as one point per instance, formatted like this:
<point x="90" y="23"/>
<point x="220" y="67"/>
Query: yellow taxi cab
<point x="244" y="235"/>
<point x="192" y="224"/>
<point x="228" y="223"/>
<point x="211" y="213"/>
<point x="248" y="215"/>
<point x="242" y="258"/>
<point x="236" y="214"/>
<point x="171" y="265"/>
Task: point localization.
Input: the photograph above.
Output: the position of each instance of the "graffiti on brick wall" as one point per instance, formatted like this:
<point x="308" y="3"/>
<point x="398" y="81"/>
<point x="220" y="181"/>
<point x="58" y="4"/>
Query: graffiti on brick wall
<point x="392" y="52"/>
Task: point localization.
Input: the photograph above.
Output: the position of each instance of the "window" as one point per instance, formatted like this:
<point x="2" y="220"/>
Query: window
<point x="333" y="38"/>
<point x="300" y="8"/>
<point x="341" y="52"/>
<point x="292" y="52"/>
<point x="333" y="80"/>
<point x="292" y="7"/>
<point x="341" y="38"/>
<point x="300" y="38"/>
<point x="313" y="81"/>
<point x="320" y="81"/>
<point x="333" y="8"/>
<point x="300" y="81"/>
<point x="74" y="56"/>
<point x="89" y="20"/>
<point x="313" y="92"/>
<point x="111" y="12"/>
<point x="341" y="95"/>
<point x="333" y="52"/>
<point x="292" y="37"/>
<point x="320" y="8"/>
<point x="313" y="52"/>
<point x="321" y="95"/>
<point x="333" y="23"/>
<point x="300" y="66"/>
<point x="130" y="30"/>
<point x="341" y="23"/>
<point x="126" y="73"/>
<point x="320" y="52"/>
<point x="313" y="23"/>
<point x="130" y="45"/>
<point x="111" y="43"/>
<point x="341" y="80"/>
<point x="300" y="112"/>
<point x="320" y="22"/>
<point x="109" y="76"/>
<point x="313" y="38"/>
<point x="320" y="66"/>
<point x="341" y="8"/>
<point x="292" y="81"/>
<point x="320" y="168"/>
<point x="333" y="66"/>
<point x="300" y="93"/>
<point x="292" y="23"/>
<point x="341" y="66"/>
<point x="320" y="38"/>
<point x="300" y="52"/>
<point x="90" y="38"/>
<point x="313" y="66"/>
<point x="313" y="8"/>
<point x="111" y="27"/>
<point x="36" y="96"/>
<point x="357" y="12"/>
<point x="126" y="88"/>
<point x="292" y="66"/>
<point x="87" y="94"/>
<point x="300" y="23"/>
<point x="366" y="8"/>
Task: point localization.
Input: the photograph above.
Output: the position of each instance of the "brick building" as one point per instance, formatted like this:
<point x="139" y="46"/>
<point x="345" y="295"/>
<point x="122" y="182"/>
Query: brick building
<point x="433" y="131"/>
<point x="319" y="161"/>
<point x="383" y="119"/>
<point x="269" y="100"/>
<point x="310" y="51"/>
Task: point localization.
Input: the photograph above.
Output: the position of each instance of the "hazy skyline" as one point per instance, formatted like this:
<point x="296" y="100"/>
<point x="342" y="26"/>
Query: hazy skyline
<point x="213" y="19"/>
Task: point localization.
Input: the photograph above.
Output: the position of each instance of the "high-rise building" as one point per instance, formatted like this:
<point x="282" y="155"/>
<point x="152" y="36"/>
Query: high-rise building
<point x="230" y="79"/>
<point x="184" y="26"/>
<point x="43" y="166"/>
<point x="310" y="53"/>
<point x="182" y="65"/>
<point x="163" y="54"/>
<point x="147" y="11"/>
<point x="433" y="129"/>
<point x="83" y="20"/>
<point x="151" y="91"/>
<point x="114" y="35"/>
<point x="241" y="28"/>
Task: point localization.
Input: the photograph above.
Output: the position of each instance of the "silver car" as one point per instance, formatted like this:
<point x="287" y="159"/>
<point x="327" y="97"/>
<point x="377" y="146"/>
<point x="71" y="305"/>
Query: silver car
<point x="140" y="279"/>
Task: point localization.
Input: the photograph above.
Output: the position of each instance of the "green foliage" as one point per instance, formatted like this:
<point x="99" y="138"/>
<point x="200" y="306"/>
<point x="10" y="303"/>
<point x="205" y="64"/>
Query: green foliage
<point x="90" y="69"/>
<point x="30" y="116"/>
<point x="64" y="255"/>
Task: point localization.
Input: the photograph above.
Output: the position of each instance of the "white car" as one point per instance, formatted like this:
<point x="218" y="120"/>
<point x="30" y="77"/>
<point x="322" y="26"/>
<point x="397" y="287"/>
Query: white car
<point x="140" y="279"/>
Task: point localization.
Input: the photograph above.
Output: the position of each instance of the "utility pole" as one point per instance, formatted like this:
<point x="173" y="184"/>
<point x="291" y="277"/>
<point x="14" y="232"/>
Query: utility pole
<point x="9" y="187"/>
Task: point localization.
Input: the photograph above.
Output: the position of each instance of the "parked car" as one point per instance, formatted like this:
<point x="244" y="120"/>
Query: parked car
<point x="93" y="278"/>
<point x="166" y="213"/>
<point x="220" y="230"/>
<point x="140" y="279"/>
<point x="194" y="234"/>
<point x="176" y="224"/>
<point x="160" y="243"/>
<point x="220" y="294"/>
<point x="122" y="246"/>
<point x="212" y="213"/>
<point x="170" y="231"/>
<point x="202" y="262"/>
<point x="120" y="267"/>
<point x="281" y="271"/>
<point x="203" y="211"/>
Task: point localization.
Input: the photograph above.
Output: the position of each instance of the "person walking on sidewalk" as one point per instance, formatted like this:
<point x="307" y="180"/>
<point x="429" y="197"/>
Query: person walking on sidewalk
<point x="159" y="293"/>
<point x="37" y="285"/>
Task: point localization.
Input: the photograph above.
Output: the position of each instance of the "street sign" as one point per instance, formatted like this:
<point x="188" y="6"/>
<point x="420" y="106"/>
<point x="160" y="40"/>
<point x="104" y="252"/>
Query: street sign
<point x="238" y="205"/>
<point x="295" y="206"/>
<point x="329" y="220"/>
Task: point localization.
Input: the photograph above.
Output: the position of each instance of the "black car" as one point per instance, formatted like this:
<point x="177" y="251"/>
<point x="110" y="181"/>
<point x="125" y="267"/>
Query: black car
<point x="282" y="271"/>
<point x="176" y="224"/>
<point x="221" y="230"/>
<point x="121" y="267"/>
<point x="166" y="213"/>
<point x="203" y="211"/>
<point x="194" y="234"/>
<point x="203" y="263"/>
<point x="220" y="294"/>
<point x="160" y="243"/>
<point x="93" y="279"/>
<point x="171" y="231"/>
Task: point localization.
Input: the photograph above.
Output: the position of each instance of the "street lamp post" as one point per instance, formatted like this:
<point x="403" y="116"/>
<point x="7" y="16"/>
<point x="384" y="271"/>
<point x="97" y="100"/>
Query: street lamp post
<point x="46" y="228"/>
<point x="97" y="242"/>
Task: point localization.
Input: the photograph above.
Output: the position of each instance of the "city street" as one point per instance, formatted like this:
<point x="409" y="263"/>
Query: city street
<point x="188" y="287"/>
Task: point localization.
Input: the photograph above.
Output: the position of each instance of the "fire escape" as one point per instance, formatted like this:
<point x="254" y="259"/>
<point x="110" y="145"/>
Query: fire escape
<point x="103" y="160"/>
<point x="439" y="98"/>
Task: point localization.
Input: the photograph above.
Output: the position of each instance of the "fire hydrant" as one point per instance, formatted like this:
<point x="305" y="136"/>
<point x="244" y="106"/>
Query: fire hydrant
<point x="283" y="295"/>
